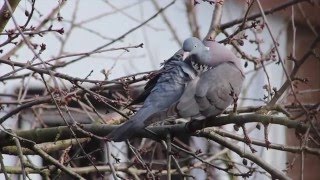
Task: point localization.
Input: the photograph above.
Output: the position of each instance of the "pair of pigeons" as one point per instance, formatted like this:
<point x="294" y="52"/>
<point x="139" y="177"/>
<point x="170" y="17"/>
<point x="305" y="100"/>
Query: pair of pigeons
<point x="200" y="80"/>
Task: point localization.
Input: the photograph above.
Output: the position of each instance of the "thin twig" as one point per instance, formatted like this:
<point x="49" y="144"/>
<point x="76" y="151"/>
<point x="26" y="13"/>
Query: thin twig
<point x="275" y="173"/>
<point x="47" y="157"/>
<point x="20" y="154"/>
<point x="125" y="34"/>
<point x="267" y="12"/>
<point x="114" y="174"/>
<point x="3" y="168"/>
<point x="168" y="156"/>
<point x="169" y="25"/>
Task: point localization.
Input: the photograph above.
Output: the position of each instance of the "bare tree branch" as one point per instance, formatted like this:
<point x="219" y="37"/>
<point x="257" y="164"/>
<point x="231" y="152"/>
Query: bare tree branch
<point x="214" y="28"/>
<point x="5" y="14"/>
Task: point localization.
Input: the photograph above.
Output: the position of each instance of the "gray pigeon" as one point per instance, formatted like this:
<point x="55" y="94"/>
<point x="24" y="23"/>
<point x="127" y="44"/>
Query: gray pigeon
<point x="218" y="81"/>
<point x="161" y="92"/>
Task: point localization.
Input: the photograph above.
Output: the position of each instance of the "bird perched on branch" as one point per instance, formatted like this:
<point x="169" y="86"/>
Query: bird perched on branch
<point x="161" y="92"/>
<point x="201" y="80"/>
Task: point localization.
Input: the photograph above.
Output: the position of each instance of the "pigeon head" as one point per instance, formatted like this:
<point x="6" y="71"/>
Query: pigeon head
<point x="208" y="54"/>
<point x="192" y="44"/>
<point x="196" y="54"/>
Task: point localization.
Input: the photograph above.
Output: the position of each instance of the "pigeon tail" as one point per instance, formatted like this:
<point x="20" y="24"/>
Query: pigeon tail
<point x="136" y="123"/>
<point x="125" y="131"/>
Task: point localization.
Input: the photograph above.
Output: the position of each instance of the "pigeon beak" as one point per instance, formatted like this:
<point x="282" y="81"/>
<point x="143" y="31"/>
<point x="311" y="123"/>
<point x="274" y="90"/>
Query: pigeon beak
<point x="185" y="55"/>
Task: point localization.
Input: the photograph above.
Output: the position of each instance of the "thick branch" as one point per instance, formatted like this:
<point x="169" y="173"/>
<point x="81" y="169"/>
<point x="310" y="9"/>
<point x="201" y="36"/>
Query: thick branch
<point x="179" y="130"/>
<point x="4" y="13"/>
<point x="215" y="21"/>
<point x="48" y="147"/>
